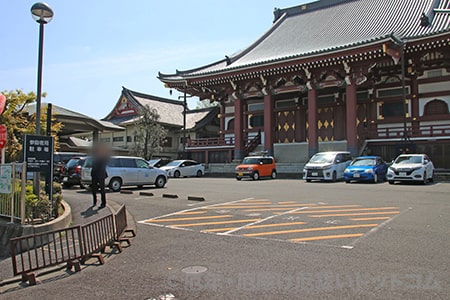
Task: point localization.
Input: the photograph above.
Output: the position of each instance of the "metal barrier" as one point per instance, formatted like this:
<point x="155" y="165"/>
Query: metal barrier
<point x="71" y="245"/>
<point x="38" y="251"/>
<point x="96" y="236"/>
<point x="12" y="191"/>
<point x="121" y="222"/>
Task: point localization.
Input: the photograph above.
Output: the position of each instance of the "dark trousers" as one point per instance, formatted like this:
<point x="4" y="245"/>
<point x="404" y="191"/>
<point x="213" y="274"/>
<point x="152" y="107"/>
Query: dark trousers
<point x="98" y="183"/>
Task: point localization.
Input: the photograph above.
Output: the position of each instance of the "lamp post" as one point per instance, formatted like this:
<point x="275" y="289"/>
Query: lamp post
<point x="41" y="13"/>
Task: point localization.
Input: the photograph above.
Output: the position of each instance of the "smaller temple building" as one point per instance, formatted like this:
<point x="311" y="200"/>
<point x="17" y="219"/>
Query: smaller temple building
<point x="200" y="123"/>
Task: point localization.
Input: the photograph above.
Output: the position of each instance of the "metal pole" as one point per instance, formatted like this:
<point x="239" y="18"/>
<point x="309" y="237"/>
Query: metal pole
<point x="184" y="122"/>
<point x="36" y="178"/>
<point x="405" y="107"/>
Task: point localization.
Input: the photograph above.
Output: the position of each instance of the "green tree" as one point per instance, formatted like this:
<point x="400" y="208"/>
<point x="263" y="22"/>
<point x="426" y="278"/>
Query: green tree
<point x="19" y="122"/>
<point x="149" y="134"/>
<point x="205" y="104"/>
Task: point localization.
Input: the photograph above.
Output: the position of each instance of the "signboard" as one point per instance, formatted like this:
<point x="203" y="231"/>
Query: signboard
<point x="2" y="103"/>
<point x="3" y="136"/>
<point x="5" y="179"/>
<point x="38" y="153"/>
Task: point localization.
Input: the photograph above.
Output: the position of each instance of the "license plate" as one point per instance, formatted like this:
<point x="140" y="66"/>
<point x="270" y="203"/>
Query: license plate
<point x="403" y="174"/>
<point x="356" y="175"/>
<point x="315" y="174"/>
<point x="65" y="179"/>
<point x="240" y="174"/>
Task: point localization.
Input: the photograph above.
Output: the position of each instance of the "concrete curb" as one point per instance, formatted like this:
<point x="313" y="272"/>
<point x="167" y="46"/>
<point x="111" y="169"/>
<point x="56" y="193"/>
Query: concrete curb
<point x="61" y="222"/>
<point x="193" y="198"/>
<point x="173" y="196"/>
<point x="148" y="194"/>
<point x="126" y="192"/>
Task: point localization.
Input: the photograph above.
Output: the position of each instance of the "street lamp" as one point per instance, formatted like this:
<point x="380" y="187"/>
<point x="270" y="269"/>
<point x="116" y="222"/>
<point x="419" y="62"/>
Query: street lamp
<point x="41" y="13"/>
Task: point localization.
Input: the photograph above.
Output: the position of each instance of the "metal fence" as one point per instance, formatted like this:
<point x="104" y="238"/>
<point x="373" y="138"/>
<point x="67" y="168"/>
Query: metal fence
<point x="12" y="191"/>
<point x="72" y="245"/>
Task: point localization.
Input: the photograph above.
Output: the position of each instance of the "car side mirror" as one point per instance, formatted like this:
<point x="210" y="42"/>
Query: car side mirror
<point x="260" y="162"/>
<point x="338" y="161"/>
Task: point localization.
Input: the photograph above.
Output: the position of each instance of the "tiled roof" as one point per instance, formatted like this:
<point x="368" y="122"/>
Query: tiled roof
<point x="170" y="111"/>
<point x="328" y="25"/>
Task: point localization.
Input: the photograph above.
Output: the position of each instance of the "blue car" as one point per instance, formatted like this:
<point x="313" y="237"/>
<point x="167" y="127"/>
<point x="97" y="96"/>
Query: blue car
<point x="366" y="168"/>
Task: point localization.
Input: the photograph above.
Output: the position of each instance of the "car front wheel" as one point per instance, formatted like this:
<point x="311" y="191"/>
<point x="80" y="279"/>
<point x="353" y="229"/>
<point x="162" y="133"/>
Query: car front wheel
<point x="115" y="184"/>
<point x="199" y="173"/>
<point x="255" y="176"/>
<point x="177" y="174"/>
<point x="274" y="174"/>
<point x="160" y="182"/>
<point x="375" y="178"/>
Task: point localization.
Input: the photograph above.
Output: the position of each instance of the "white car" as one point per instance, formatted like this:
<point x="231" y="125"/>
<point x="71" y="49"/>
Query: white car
<point x="126" y="171"/>
<point x="411" y="167"/>
<point x="328" y="166"/>
<point x="184" y="168"/>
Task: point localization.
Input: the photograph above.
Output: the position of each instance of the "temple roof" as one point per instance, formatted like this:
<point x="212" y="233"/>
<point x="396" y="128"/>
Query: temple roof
<point x="329" y="25"/>
<point x="170" y="111"/>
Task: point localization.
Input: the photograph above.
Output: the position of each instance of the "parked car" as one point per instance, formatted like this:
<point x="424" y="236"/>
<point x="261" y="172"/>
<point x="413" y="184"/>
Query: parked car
<point x="71" y="172"/>
<point x="328" y="166"/>
<point x="126" y="171"/>
<point x="60" y="159"/>
<point x="256" y="167"/>
<point x="159" y="162"/>
<point x="184" y="168"/>
<point x="411" y="167"/>
<point x="366" y="168"/>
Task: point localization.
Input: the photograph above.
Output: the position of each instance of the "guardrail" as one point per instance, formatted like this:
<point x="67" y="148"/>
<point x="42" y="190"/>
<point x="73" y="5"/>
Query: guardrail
<point x="72" y="246"/>
<point x="12" y="191"/>
<point x="38" y="251"/>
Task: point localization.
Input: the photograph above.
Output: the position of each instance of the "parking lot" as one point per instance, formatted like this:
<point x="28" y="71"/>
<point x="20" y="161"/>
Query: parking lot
<point x="279" y="238"/>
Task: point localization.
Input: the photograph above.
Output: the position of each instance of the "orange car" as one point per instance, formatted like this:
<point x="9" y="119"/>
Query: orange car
<point x="256" y="167"/>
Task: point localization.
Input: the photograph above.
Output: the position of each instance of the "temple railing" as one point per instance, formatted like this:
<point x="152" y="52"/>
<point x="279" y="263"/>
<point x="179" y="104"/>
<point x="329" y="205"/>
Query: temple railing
<point x="420" y="131"/>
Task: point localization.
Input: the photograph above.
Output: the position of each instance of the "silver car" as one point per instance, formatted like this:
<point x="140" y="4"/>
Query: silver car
<point x="126" y="171"/>
<point x="411" y="167"/>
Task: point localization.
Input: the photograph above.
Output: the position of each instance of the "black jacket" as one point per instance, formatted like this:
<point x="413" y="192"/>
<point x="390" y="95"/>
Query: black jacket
<point x="99" y="168"/>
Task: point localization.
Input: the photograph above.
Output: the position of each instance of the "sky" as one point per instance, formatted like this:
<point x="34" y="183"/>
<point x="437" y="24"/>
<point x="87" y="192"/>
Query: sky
<point x="93" y="48"/>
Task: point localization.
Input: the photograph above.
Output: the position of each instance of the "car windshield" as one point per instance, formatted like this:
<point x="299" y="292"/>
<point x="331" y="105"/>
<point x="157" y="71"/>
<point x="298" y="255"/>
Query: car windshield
<point x="73" y="162"/>
<point x="153" y="161"/>
<point x="409" y="160"/>
<point x="250" y="161"/>
<point x="174" y="163"/>
<point x="364" y="162"/>
<point x="321" y="158"/>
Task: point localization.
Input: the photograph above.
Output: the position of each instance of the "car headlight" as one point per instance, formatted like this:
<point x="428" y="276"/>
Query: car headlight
<point x="392" y="169"/>
<point x="326" y="168"/>
<point x="346" y="171"/>
<point x="369" y="171"/>
<point x="250" y="168"/>
<point x="236" y="169"/>
<point x="415" y="169"/>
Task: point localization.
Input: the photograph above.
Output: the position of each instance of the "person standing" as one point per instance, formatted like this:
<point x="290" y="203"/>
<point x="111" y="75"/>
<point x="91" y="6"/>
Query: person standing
<point x="98" y="174"/>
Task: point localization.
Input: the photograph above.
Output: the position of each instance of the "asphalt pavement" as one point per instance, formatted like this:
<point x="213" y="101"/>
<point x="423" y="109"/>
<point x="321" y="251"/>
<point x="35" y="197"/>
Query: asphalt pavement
<point x="271" y="239"/>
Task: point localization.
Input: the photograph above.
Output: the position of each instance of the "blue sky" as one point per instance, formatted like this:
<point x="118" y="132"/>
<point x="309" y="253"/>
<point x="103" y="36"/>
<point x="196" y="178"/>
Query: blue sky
<point x="93" y="48"/>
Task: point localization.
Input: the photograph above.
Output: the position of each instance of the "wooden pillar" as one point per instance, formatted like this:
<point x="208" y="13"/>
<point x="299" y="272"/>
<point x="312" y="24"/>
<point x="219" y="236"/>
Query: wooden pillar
<point x="95" y="135"/>
<point x="415" y="114"/>
<point x="222" y="120"/>
<point x="313" y="145"/>
<point x="339" y="122"/>
<point x="239" y="149"/>
<point x="300" y="123"/>
<point x="352" y="140"/>
<point x="269" y="125"/>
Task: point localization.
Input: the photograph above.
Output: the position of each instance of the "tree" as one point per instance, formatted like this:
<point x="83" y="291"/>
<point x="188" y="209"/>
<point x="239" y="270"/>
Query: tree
<point x="205" y="104"/>
<point x="149" y="134"/>
<point x="19" y="122"/>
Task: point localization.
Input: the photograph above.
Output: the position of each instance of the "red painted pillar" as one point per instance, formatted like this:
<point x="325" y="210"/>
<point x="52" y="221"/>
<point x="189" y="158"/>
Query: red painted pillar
<point x="269" y="125"/>
<point x="238" y="130"/>
<point x="352" y="140"/>
<point x="313" y="145"/>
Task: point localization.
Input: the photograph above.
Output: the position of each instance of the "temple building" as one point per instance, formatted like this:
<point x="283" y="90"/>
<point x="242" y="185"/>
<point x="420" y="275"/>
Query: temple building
<point x="329" y="75"/>
<point x="200" y="123"/>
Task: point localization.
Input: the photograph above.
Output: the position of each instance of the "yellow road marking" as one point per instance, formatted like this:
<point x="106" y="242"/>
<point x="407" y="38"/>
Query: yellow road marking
<point x="270" y="209"/>
<point x="188" y="219"/>
<point x="287" y="202"/>
<point x="357" y="214"/>
<point x="262" y="206"/>
<point x="344" y="210"/>
<point x="191" y="213"/>
<point x="253" y="200"/>
<point x="334" y="206"/>
<point x="216" y="223"/>
<point x="310" y="229"/>
<point x="256" y="226"/>
<point x="369" y="219"/>
<point x="327" y="237"/>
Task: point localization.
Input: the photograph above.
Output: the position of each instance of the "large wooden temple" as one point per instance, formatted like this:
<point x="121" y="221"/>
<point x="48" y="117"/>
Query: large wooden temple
<point x="328" y="75"/>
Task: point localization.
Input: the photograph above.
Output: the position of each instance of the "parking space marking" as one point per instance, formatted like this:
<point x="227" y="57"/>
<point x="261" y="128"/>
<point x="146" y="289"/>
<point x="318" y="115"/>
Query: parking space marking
<point x="356" y="214"/>
<point x="327" y="237"/>
<point x="310" y="229"/>
<point x="191" y="219"/>
<point x="192" y="213"/>
<point x="214" y="223"/>
<point x="256" y="226"/>
<point x="369" y="219"/>
<point x="287" y="207"/>
<point x="346" y="210"/>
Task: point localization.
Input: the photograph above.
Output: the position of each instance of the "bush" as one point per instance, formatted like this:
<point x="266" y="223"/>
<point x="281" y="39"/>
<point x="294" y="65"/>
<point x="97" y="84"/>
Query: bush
<point x="40" y="207"/>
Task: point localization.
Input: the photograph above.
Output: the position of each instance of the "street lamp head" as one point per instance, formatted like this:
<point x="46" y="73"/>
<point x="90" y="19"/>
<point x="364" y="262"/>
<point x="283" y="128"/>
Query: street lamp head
<point x="42" y="12"/>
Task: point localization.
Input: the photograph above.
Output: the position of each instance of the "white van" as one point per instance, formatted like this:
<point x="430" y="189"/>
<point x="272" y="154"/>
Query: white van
<point x="328" y="166"/>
